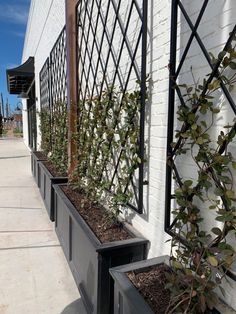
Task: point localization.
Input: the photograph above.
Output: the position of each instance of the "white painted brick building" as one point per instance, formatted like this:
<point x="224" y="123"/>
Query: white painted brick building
<point x="46" y="20"/>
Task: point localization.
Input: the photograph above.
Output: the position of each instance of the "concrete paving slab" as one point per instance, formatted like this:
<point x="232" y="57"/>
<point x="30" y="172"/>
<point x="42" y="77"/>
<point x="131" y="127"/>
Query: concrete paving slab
<point x="23" y="219"/>
<point x="19" y="196"/>
<point x="34" y="274"/>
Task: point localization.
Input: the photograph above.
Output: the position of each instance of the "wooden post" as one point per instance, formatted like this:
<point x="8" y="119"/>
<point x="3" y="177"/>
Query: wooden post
<point x="71" y="51"/>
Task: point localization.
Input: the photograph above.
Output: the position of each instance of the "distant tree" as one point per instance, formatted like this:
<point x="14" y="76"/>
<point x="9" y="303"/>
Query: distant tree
<point x="2" y="105"/>
<point x="7" y="109"/>
<point x="1" y="125"/>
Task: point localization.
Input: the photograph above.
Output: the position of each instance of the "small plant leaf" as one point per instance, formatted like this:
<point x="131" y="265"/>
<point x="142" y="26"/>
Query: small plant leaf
<point x="230" y="194"/>
<point x="177" y="265"/>
<point x="216" y="231"/>
<point x="212" y="260"/>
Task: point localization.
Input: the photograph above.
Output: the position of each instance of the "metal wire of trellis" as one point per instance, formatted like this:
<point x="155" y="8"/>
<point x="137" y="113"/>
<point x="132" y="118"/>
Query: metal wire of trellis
<point x="44" y="77"/>
<point x="174" y="90"/>
<point x="53" y="76"/>
<point x="111" y="54"/>
<point x="58" y="69"/>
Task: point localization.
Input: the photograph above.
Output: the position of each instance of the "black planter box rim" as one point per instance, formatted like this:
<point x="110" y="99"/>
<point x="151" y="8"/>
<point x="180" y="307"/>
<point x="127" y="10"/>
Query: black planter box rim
<point x="100" y="247"/>
<point x="119" y="275"/>
<point x="46" y="181"/>
<point x="131" y="292"/>
<point x="48" y="172"/>
<point x="38" y="158"/>
<point x="164" y="259"/>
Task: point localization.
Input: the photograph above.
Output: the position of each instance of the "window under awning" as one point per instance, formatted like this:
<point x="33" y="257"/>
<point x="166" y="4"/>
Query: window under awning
<point x="20" y="78"/>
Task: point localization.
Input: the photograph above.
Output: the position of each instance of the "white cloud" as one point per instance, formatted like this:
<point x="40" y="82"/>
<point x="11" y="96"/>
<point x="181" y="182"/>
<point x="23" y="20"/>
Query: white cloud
<point x="15" y="13"/>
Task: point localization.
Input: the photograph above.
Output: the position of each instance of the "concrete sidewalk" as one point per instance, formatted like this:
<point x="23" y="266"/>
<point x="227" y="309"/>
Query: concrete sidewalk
<point x="34" y="275"/>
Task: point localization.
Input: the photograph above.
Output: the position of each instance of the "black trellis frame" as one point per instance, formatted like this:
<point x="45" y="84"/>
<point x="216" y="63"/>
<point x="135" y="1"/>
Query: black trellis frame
<point x="141" y="72"/>
<point x="44" y="77"/>
<point x="45" y="89"/>
<point x="173" y="90"/>
<point x="58" y="69"/>
<point x="53" y="76"/>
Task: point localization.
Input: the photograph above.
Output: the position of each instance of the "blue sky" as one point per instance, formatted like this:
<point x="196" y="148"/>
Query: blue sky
<point x="13" y="21"/>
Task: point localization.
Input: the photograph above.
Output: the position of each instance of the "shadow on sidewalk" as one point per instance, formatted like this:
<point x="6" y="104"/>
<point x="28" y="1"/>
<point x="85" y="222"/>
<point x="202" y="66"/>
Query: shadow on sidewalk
<point x="76" y="307"/>
<point x="12" y="157"/>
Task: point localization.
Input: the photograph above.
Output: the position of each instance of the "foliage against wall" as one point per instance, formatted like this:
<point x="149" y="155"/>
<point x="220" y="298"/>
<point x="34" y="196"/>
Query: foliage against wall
<point x="202" y="256"/>
<point x="108" y="132"/>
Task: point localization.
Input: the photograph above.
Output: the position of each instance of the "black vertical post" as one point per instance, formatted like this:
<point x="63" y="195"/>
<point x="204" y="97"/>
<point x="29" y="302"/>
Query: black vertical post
<point x="171" y="109"/>
<point x="143" y="101"/>
<point x="50" y="101"/>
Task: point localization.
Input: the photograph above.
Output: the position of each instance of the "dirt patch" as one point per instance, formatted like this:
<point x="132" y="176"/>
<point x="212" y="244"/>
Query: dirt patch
<point x="151" y="285"/>
<point x="96" y="217"/>
<point x="40" y="155"/>
<point x="53" y="170"/>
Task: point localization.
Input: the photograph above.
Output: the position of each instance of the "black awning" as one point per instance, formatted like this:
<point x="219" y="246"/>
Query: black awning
<point x="20" y="79"/>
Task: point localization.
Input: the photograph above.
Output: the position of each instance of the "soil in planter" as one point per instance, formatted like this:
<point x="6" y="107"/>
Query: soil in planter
<point x="96" y="217"/>
<point x="53" y="170"/>
<point x="151" y="285"/>
<point x="40" y="155"/>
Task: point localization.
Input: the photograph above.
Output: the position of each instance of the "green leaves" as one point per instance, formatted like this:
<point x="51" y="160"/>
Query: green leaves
<point x="197" y="253"/>
<point x="46" y="131"/>
<point x="108" y="133"/>
<point x="222" y="54"/>
<point x="54" y="129"/>
<point x="230" y="194"/>
<point x="212" y="260"/>
<point x="177" y="265"/>
<point x="216" y="231"/>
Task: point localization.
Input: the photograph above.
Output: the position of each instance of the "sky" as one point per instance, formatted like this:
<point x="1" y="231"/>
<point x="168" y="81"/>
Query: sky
<point x="13" y="22"/>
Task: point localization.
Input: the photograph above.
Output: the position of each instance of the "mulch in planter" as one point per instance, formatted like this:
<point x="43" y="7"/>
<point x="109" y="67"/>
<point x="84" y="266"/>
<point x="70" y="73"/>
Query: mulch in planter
<point x="151" y="285"/>
<point x="150" y="282"/>
<point x="96" y="217"/>
<point x="40" y="155"/>
<point x="53" y="170"/>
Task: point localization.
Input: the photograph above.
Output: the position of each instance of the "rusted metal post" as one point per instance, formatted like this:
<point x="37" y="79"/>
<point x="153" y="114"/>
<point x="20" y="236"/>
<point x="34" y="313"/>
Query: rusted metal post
<point x="71" y="42"/>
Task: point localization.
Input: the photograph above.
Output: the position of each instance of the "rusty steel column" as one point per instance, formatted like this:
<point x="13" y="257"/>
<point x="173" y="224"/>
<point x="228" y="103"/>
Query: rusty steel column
<point x="71" y="51"/>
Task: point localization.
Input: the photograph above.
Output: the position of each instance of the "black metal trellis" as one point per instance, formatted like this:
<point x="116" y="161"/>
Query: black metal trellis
<point x="108" y="57"/>
<point x="175" y="69"/>
<point x="53" y="79"/>
<point x="58" y="69"/>
<point x="53" y="76"/>
<point x="44" y="77"/>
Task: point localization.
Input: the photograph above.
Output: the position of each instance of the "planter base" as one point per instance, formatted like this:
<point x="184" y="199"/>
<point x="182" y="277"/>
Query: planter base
<point x="46" y="182"/>
<point x="90" y="260"/>
<point x="34" y="165"/>
<point x="127" y="298"/>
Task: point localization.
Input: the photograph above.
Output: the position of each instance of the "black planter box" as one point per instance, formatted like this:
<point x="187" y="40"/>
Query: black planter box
<point x="34" y="165"/>
<point x="45" y="183"/>
<point x="90" y="260"/>
<point x="127" y="299"/>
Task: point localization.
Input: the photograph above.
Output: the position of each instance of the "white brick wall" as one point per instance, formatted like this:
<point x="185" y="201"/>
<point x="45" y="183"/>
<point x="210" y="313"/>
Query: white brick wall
<point x="47" y="17"/>
<point x="46" y="20"/>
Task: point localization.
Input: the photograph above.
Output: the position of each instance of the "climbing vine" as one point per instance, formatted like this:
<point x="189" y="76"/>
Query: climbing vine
<point x="45" y="128"/>
<point x="54" y="131"/>
<point x="59" y="135"/>
<point x="108" y="150"/>
<point x="202" y="258"/>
